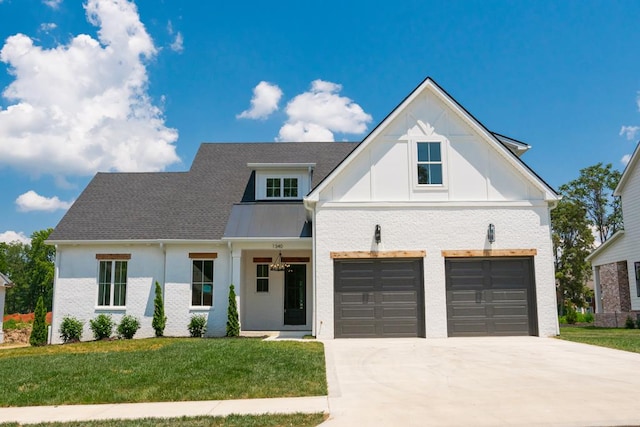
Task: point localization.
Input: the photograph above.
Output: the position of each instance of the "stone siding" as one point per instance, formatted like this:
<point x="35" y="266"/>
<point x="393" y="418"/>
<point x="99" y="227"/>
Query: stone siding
<point x="614" y="320"/>
<point x="614" y="285"/>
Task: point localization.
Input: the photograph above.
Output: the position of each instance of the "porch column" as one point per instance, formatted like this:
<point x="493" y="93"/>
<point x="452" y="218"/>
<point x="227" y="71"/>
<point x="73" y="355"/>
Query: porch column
<point x="236" y="278"/>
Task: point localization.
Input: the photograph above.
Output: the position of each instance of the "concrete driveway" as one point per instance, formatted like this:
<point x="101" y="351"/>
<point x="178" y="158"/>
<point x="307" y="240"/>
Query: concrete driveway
<point x="525" y="381"/>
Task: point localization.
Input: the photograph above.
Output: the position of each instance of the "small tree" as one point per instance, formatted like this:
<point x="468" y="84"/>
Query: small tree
<point x="39" y="332"/>
<point x="233" y="325"/>
<point x="159" y="318"/>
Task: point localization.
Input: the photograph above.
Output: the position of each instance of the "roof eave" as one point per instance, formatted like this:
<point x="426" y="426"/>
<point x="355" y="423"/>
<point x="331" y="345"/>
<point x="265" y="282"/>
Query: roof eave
<point x="603" y="247"/>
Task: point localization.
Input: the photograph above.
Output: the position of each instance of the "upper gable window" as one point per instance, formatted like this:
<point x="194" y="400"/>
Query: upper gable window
<point x="429" y="163"/>
<point x="282" y="188"/>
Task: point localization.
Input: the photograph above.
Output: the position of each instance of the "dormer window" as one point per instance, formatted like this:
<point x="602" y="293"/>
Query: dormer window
<point x="282" y="188"/>
<point x="290" y="181"/>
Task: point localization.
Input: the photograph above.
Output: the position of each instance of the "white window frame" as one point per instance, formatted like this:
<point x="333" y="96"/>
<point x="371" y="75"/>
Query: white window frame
<point x="112" y="283"/>
<point x="443" y="160"/>
<point x="259" y="278"/>
<point x="202" y="283"/>
<point x="262" y="178"/>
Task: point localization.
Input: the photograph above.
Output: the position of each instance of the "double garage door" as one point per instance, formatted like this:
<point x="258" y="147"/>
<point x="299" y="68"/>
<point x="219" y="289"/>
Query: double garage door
<point x="385" y="297"/>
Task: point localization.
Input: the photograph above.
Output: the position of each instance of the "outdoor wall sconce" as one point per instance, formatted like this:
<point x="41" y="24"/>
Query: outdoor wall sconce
<point x="377" y="234"/>
<point x="491" y="233"/>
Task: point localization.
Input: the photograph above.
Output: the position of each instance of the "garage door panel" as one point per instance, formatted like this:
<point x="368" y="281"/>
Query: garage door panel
<point x="499" y="302"/>
<point x="392" y="292"/>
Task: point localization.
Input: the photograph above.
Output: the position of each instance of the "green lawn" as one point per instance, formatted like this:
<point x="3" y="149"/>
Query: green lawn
<point x="164" y="369"/>
<point x="297" y="420"/>
<point x="621" y="339"/>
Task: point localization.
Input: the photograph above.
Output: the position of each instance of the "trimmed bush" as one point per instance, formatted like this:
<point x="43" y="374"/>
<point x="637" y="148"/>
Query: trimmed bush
<point x="197" y="325"/>
<point x="233" y="325"/>
<point x="629" y="323"/>
<point x="70" y="329"/>
<point x="101" y="326"/>
<point x="159" y="318"/>
<point x="128" y="327"/>
<point x="39" y="332"/>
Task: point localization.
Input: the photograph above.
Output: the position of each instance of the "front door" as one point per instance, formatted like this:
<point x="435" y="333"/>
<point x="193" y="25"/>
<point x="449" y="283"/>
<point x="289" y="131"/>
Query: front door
<point x="295" y="295"/>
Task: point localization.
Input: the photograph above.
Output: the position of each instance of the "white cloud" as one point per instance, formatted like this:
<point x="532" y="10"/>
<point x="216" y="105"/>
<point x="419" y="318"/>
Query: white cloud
<point x="625" y="159"/>
<point x="53" y="4"/>
<point x="266" y="97"/>
<point x="629" y="132"/>
<point x="178" y="43"/>
<point x="14" y="236"/>
<point x="32" y="201"/>
<point x="48" y="26"/>
<point x="83" y="107"/>
<point x="317" y="114"/>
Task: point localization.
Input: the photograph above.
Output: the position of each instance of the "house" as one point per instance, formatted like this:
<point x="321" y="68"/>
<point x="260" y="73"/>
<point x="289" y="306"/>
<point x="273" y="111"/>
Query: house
<point x="616" y="263"/>
<point x="432" y="226"/>
<point x="4" y="284"/>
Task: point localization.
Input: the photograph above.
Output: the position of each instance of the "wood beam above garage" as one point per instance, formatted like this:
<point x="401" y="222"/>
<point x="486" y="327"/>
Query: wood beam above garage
<point x="466" y="253"/>
<point x="378" y="254"/>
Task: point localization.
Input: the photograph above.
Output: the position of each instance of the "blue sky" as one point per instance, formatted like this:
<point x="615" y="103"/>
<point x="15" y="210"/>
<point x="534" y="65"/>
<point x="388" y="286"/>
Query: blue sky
<point x="114" y="85"/>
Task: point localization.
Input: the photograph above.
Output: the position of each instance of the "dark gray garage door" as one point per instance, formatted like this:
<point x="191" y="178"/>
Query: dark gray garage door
<point x="490" y="296"/>
<point x="378" y="298"/>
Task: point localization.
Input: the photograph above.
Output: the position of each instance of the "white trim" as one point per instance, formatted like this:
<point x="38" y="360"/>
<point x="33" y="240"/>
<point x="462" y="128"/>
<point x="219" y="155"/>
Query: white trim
<point x="263" y="239"/>
<point x="281" y="165"/>
<point x="627" y="171"/>
<point x="134" y="242"/>
<point x="436" y="204"/>
<point x="603" y="247"/>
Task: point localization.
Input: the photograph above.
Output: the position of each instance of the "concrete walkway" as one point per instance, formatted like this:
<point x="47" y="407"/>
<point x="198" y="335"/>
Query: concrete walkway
<point x="38" y="414"/>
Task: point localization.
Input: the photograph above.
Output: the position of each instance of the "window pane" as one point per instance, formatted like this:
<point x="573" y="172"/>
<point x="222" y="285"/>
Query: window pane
<point x="196" y="294"/>
<point x="423" y="151"/>
<point x="291" y="187"/>
<point x="119" y="294"/>
<point x="423" y="174"/>
<point x="197" y="271"/>
<point x="262" y="285"/>
<point x="104" y="283"/>
<point x="434" y="152"/>
<point x="262" y="270"/>
<point x="435" y="174"/>
<point x="273" y="187"/>
<point x="207" y="294"/>
<point x="208" y="271"/>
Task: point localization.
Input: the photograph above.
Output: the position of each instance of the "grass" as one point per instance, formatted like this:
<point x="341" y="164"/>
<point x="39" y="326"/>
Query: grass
<point x="620" y="339"/>
<point x="278" y="420"/>
<point x="160" y="370"/>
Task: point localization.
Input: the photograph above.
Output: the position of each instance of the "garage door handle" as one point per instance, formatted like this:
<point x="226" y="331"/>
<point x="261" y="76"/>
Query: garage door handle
<point x="478" y="297"/>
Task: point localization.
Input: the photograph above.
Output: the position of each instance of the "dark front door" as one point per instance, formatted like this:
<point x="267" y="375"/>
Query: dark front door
<point x="295" y="295"/>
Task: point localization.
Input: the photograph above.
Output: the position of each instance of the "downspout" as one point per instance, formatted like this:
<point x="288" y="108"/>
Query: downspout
<point x="53" y="300"/>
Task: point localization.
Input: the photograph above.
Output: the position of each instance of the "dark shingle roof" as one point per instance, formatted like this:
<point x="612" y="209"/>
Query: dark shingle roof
<point x="192" y="205"/>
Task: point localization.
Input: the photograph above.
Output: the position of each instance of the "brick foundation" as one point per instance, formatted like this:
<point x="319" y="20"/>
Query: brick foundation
<point x="614" y="320"/>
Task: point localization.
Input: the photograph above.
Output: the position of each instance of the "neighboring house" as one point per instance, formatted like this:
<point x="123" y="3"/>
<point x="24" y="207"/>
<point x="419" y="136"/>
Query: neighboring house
<point x="616" y="263"/>
<point x="4" y="284"/>
<point x="431" y="226"/>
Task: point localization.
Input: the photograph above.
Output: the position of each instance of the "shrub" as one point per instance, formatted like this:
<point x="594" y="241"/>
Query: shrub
<point x="638" y="322"/>
<point x="39" y="332"/>
<point x="588" y="318"/>
<point x="159" y="318"/>
<point x="101" y="326"/>
<point x="562" y="320"/>
<point x="629" y="323"/>
<point x="70" y="329"/>
<point x="233" y="325"/>
<point x="571" y="316"/>
<point x="197" y="325"/>
<point x="128" y="327"/>
<point x="10" y="324"/>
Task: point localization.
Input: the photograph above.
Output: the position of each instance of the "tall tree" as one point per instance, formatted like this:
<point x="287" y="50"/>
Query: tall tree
<point x="593" y="189"/>
<point x="41" y="268"/>
<point x="572" y="241"/>
<point x="15" y="258"/>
